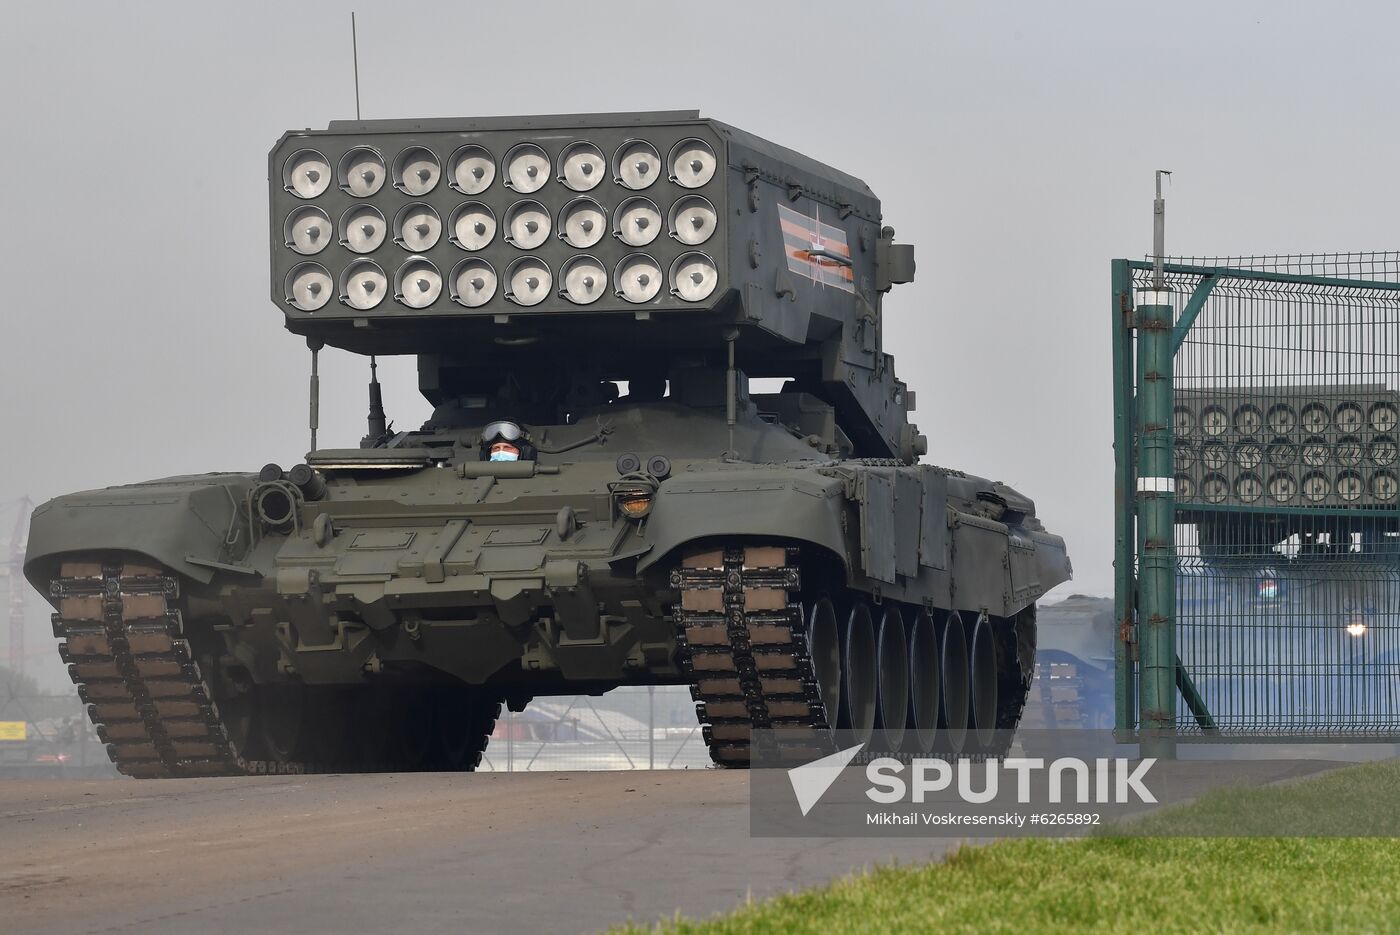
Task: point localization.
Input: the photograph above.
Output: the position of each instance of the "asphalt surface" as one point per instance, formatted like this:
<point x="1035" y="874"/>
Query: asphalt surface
<point x="556" y="852"/>
<point x="484" y="852"/>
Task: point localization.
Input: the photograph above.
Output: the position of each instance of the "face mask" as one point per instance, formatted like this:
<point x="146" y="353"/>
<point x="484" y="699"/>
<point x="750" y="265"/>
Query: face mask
<point x="504" y="456"/>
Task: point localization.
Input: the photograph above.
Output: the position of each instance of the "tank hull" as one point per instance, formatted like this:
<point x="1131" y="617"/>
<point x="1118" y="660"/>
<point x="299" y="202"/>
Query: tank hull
<point x="430" y="587"/>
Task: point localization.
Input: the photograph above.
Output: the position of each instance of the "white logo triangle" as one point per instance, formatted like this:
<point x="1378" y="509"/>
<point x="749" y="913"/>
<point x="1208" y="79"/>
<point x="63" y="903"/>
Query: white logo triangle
<point x="811" y="780"/>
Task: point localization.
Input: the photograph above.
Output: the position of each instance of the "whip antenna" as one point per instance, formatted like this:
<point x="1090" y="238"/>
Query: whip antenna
<point x="355" y="57"/>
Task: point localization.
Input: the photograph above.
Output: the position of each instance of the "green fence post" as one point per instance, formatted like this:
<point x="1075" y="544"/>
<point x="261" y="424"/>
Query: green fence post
<point x="1124" y="505"/>
<point x="1156" y="538"/>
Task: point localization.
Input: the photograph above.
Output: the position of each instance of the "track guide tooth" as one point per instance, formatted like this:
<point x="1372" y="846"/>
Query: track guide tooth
<point x="741" y="638"/>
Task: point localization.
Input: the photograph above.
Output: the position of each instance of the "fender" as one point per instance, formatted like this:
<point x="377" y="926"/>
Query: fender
<point x="178" y="521"/>
<point x="808" y="508"/>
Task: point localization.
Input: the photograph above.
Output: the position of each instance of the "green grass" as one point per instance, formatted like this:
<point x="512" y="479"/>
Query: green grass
<point x="1134" y="883"/>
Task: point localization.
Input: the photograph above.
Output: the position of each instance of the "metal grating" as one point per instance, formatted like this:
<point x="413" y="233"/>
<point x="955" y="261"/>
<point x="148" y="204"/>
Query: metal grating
<point x="1286" y="390"/>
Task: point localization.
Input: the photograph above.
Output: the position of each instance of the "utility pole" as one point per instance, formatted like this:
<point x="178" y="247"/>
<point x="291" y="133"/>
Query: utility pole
<point x="1156" y="502"/>
<point x="14" y="568"/>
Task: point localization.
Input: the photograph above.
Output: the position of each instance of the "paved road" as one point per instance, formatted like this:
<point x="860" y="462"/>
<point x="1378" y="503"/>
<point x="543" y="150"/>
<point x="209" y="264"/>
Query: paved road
<point x="556" y="852"/>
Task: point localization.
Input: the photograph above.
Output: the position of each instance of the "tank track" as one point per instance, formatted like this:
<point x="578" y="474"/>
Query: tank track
<point x="1016" y="667"/>
<point x="149" y="699"/>
<point x="742" y="640"/>
<point x="146" y="695"/>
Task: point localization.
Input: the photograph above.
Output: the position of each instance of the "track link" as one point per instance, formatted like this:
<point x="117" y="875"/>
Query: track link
<point x="150" y="700"/>
<point x="742" y="640"/>
<point x="123" y="642"/>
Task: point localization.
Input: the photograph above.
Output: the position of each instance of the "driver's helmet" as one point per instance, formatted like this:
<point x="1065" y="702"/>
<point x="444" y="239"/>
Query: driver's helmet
<point x="505" y="441"/>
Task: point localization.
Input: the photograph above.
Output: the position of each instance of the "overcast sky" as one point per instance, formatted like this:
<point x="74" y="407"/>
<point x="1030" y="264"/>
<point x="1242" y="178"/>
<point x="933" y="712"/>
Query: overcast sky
<point x="1013" y="144"/>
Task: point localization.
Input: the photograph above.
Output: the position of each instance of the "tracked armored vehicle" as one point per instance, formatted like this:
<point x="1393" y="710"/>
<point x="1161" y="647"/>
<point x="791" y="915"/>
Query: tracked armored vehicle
<point x="603" y="296"/>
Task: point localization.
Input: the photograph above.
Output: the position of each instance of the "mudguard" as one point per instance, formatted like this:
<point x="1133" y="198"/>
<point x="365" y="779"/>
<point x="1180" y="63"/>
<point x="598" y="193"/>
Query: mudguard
<point x="804" y="505"/>
<point x="180" y="522"/>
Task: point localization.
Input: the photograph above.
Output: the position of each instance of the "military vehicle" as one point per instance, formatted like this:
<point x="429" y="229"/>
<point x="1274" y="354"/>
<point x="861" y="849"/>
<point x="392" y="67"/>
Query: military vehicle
<point x="784" y="553"/>
<point x="1256" y="466"/>
<point x="1073" y="686"/>
<point x="50" y="747"/>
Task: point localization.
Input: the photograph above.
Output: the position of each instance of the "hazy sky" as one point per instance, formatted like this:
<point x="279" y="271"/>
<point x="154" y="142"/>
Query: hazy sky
<point x="1013" y="144"/>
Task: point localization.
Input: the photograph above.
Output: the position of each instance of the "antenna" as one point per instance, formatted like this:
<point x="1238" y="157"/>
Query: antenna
<point x="355" y="56"/>
<point x="377" y="427"/>
<point x="1159" y="231"/>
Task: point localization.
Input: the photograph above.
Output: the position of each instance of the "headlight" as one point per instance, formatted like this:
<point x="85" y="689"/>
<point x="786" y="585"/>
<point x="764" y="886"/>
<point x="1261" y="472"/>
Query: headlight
<point x="416" y="171"/>
<point x="307" y="230"/>
<point x="361" y="172"/>
<point x="693" y="163"/>
<point x="527" y="168"/>
<point x="417" y="227"/>
<point x="527" y="224"/>
<point x="306" y="173"/>
<point x="308" y="286"/>
<point x="693" y="220"/>
<point x="693" y="277"/>
<point x="473" y="283"/>
<point x="582" y="223"/>
<point x="528" y="281"/>
<point x="585" y="280"/>
<point x="363" y="284"/>
<point x="633" y="495"/>
<point x="472" y="169"/>
<point x="637" y="221"/>
<point x="473" y="225"/>
<point x="634" y="505"/>
<point x="638" y="278"/>
<point x="581" y="166"/>
<point x="636" y="164"/>
<point x="362" y="229"/>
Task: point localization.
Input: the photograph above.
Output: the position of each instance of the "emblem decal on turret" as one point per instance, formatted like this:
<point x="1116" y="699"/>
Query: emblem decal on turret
<point x="815" y="250"/>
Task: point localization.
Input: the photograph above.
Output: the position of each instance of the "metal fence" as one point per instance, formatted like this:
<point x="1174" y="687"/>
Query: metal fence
<point x="649" y="727"/>
<point x="1258" y="538"/>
